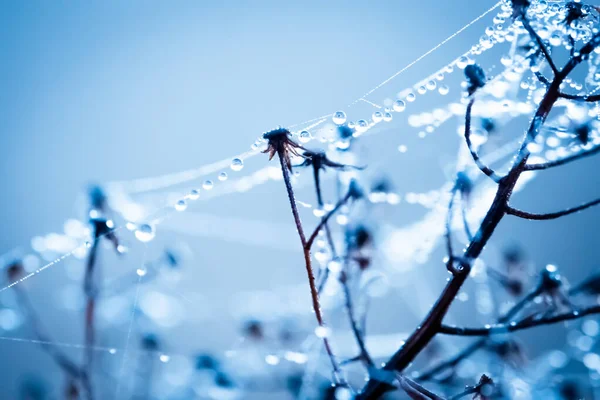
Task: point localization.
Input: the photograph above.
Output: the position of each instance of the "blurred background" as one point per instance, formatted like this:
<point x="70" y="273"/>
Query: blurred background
<point x="96" y="92"/>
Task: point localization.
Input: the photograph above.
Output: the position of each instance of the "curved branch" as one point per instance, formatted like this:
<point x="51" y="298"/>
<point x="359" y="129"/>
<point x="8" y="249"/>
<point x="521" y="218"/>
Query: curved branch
<point x="313" y="236"/>
<point x="517" y="326"/>
<point x="541" y="217"/>
<point x="562" y="161"/>
<point x="454" y="361"/>
<point x="484" y="168"/>
<point x="588" y="98"/>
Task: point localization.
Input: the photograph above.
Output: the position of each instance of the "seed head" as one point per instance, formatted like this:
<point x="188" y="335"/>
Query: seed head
<point x="279" y="142"/>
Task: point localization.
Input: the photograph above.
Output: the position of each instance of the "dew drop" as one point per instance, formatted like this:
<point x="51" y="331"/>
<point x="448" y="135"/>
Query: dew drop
<point x="399" y="105"/>
<point x="444" y="89"/>
<point x="164" y="358"/>
<point x="181" y="205"/>
<point x="194" y="194"/>
<point x="223" y="176"/>
<point x="208" y="184"/>
<point x="339" y="118"/>
<point x="431" y="85"/>
<point x="377" y="116"/>
<point x="402" y="148"/>
<point x="421" y="90"/>
<point x="141" y="271"/>
<point x="362" y="125"/>
<point x="411" y="97"/>
<point x="237" y="164"/>
<point x="387" y="117"/>
<point x="145" y="233"/>
<point x="463" y="62"/>
<point x="305" y="137"/>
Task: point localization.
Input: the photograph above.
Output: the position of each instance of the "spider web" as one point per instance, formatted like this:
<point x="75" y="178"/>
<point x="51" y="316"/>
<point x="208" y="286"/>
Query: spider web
<point x="121" y="193"/>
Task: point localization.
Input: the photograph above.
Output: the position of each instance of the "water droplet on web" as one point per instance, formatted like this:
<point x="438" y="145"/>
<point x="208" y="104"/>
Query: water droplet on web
<point x="444" y="89"/>
<point x="339" y="118"/>
<point x="431" y="85"/>
<point x="463" y="62"/>
<point x="237" y="164"/>
<point x="402" y="148"/>
<point x="145" y="233"/>
<point x="387" y="117"/>
<point x="305" y="137"/>
<point x="377" y="116"/>
<point x="399" y="105"/>
<point x="194" y="194"/>
<point x="411" y="97"/>
<point x="164" y="358"/>
<point x="223" y="176"/>
<point x="208" y="184"/>
<point x="421" y="90"/>
<point x="506" y="60"/>
<point x="181" y="205"/>
<point x="362" y="125"/>
<point x="141" y="271"/>
<point x="88" y="244"/>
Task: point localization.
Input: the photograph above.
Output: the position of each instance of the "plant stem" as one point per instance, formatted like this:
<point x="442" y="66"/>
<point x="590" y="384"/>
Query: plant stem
<point x="308" y="264"/>
<point x="89" y="288"/>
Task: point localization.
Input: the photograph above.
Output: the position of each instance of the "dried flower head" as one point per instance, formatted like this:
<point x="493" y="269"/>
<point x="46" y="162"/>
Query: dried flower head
<point x="464" y="183"/>
<point x="254" y="329"/>
<point x="582" y="131"/>
<point x="98" y="199"/>
<point x="15" y="270"/>
<point x="150" y="342"/>
<point x="319" y="160"/>
<point x="485" y="389"/>
<point x="519" y="7"/>
<point x="279" y="142"/>
<point x="206" y="361"/>
<point x="475" y="78"/>
<point x="575" y="11"/>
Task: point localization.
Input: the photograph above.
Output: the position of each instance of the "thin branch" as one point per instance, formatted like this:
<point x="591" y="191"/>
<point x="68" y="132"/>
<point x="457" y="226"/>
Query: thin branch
<point x="541" y="45"/>
<point x="448" y="232"/>
<point x="517" y="326"/>
<point x="539" y="217"/>
<point x="358" y="335"/>
<point x="463" y="209"/>
<point x="90" y="291"/>
<point x="283" y="160"/>
<point x="416" y="391"/>
<point x="484" y="168"/>
<point x="308" y="244"/>
<point x="454" y="361"/>
<point x="562" y="161"/>
<point x="587" y="98"/>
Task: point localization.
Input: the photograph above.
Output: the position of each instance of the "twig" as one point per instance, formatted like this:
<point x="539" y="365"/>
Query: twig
<point x="452" y="362"/>
<point x="527" y="215"/>
<point x="562" y="161"/>
<point x="517" y="326"/>
<point x="91" y="293"/>
<point x="284" y="162"/>
<point x="308" y="244"/>
<point x="484" y="168"/>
